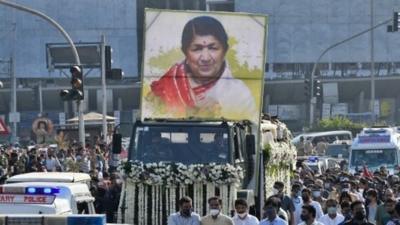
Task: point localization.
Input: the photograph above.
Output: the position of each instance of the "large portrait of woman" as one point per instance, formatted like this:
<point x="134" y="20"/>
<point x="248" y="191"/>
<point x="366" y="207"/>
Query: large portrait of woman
<point x="203" y="65"/>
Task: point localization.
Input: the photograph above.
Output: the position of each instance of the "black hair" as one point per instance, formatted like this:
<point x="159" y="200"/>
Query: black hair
<point x="355" y="203"/>
<point x="184" y="199"/>
<point x="310" y="209"/>
<point x="274" y="202"/>
<point x="241" y="201"/>
<point x="279" y="184"/>
<point x="344" y="204"/>
<point x="344" y="195"/>
<point x="203" y="25"/>
<point x="215" y="198"/>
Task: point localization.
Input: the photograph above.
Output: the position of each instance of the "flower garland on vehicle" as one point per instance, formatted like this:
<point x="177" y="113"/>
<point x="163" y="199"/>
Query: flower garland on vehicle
<point x="163" y="183"/>
<point x="170" y="174"/>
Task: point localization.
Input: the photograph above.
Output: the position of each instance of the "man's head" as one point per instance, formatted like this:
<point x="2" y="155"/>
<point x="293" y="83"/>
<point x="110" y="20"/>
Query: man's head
<point x="331" y="206"/>
<point x="390" y="205"/>
<point x="308" y="213"/>
<point x="358" y="210"/>
<point x="388" y="194"/>
<point x="278" y="187"/>
<point x="204" y="43"/>
<point x="345" y="208"/>
<point x="241" y="207"/>
<point x="306" y="195"/>
<point x="271" y="207"/>
<point x="215" y="205"/>
<point x="316" y="191"/>
<point x="185" y="206"/>
<point x="296" y="190"/>
<point x="372" y="195"/>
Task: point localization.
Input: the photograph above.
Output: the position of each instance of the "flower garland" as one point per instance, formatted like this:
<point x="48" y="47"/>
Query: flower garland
<point x="279" y="160"/>
<point x="165" y="183"/>
<point x="171" y="174"/>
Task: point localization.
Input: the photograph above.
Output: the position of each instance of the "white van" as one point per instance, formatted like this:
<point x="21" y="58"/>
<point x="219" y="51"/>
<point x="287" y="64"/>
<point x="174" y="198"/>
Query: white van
<point x="375" y="147"/>
<point x="63" y="177"/>
<point x="332" y="137"/>
<point x="47" y="193"/>
<point x="46" y="198"/>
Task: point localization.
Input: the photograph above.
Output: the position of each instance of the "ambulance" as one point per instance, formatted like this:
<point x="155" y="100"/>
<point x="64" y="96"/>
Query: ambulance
<point x="374" y="148"/>
<point x="47" y="193"/>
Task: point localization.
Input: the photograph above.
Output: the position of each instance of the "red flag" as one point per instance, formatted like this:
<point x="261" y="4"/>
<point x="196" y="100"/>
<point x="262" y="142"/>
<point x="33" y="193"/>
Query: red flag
<point x="366" y="172"/>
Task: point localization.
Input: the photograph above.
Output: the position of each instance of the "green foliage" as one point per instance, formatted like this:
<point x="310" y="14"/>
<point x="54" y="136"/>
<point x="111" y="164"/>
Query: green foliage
<point x="338" y="123"/>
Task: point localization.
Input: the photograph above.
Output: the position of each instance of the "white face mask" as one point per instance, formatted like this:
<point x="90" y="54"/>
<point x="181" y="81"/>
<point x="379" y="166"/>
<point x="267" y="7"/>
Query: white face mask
<point x="214" y="212"/>
<point x="242" y="215"/>
<point x="332" y="210"/>
<point x="316" y="194"/>
<point x="275" y="191"/>
<point x="346" y="190"/>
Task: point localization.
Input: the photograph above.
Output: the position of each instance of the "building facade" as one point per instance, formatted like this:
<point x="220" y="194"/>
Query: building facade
<point x="298" y="32"/>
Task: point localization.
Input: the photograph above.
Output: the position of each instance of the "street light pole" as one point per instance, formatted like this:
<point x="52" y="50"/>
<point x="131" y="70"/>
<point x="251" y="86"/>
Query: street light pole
<point x="74" y="52"/>
<point x="372" y="104"/>
<point x="331" y="47"/>
<point x="103" y="85"/>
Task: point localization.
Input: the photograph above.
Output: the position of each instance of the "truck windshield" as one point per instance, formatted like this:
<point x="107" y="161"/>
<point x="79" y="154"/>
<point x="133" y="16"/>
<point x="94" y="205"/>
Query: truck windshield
<point x="184" y="144"/>
<point x="373" y="157"/>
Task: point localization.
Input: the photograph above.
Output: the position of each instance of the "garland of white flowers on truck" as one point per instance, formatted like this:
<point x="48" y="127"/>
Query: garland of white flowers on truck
<point x="279" y="160"/>
<point x="164" y="181"/>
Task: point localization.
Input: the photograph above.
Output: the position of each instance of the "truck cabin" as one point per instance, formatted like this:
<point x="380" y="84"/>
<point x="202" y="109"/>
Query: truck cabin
<point x="190" y="142"/>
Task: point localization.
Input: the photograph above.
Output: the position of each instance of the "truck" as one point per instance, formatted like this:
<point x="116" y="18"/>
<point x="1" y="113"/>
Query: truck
<point x="375" y="147"/>
<point x="207" y="141"/>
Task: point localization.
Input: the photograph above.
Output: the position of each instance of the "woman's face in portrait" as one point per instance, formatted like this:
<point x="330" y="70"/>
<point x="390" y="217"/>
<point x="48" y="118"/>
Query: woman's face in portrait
<point x="205" y="57"/>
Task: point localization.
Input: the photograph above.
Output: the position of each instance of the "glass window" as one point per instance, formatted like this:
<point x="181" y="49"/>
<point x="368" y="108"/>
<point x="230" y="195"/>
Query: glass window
<point x="187" y="144"/>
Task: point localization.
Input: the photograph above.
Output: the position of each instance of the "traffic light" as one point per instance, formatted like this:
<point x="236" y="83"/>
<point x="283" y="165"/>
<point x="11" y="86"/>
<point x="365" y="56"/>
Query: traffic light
<point x="307" y="88"/>
<point x="395" y="26"/>
<point x="317" y="88"/>
<point x="108" y="58"/>
<point x="112" y="74"/>
<point x="76" y="92"/>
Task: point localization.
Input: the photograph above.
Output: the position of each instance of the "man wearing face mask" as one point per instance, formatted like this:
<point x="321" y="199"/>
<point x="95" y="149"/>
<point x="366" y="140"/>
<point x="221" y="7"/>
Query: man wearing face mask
<point x="307" y="200"/>
<point x="185" y="216"/>
<point x="332" y="217"/>
<point x="359" y="215"/>
<point x="382" y="215"/>
<point x="271" y="209"/>
<point x="295" y="195"/>
<point x="308" y="214"/>
<point x="286" y="202"/>
<point x="316" y="194"/>
<point x="215" y="217"/>
<point x="242" y="216"/>
<point x="392" y="208"/>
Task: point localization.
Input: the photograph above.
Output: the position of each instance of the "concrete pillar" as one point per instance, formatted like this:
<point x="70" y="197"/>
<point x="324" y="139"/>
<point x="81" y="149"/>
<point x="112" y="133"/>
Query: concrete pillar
<point x="361" y="102"/>
<point x="267" y="100"/>
<point x="120" y="104"/>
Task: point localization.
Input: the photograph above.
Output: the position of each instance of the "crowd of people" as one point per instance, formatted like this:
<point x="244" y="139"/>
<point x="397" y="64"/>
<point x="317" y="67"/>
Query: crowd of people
<point x="333" y="198"/>
<point x="92" y="159"/>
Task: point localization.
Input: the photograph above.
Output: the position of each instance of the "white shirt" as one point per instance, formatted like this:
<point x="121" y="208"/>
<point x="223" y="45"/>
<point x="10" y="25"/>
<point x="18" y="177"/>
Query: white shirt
<point x="315" y="223"/>
<point x="276" y="221"/>
<point x="298" y="203"/>
<point x="177" y="219"/>
<point x="248" y="220"/>
<point x="326" y="220"/>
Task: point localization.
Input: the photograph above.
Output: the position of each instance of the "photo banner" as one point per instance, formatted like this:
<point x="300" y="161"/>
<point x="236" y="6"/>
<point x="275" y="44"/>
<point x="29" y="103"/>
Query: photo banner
<point x="203" y="65"/>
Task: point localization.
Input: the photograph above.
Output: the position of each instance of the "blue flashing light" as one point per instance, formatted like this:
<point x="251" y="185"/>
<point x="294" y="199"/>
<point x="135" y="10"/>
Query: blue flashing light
<point x="42" y="190"/>
<point x="313" y="159"/>
<point x="47" y="191"/>
<point x="31" y="190"/>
